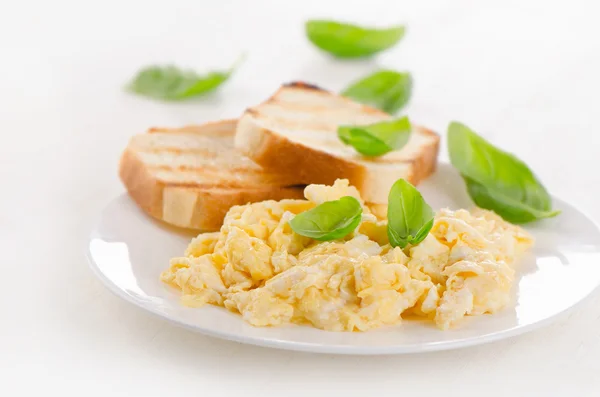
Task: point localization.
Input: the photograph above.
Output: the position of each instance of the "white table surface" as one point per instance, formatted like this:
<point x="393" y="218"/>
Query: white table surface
<point x="525" y="74"/>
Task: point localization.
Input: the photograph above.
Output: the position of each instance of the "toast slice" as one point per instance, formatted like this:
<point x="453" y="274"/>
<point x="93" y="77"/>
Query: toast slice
<point x="189" y="177"/>
<point x="295" y="131"/>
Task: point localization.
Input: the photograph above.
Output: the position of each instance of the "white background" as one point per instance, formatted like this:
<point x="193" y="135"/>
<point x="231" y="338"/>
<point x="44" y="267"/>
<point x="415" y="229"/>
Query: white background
<point x="524" y="74"/>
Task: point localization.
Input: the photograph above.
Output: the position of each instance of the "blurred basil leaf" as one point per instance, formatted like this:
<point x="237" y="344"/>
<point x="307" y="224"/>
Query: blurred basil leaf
<point x="386" y="90"/>
<point x="345" y="40"/>
<point x="377" y="139"/>
<point x="171" y="83"/>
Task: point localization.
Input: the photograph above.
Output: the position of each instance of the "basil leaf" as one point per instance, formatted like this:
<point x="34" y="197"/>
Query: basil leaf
<point x="410" y="218"/>
<point x="497" y="180"/>
<point x="377" y="139"/>
<point x="172" y="83"/>
<point x="344" y="40"/>
<point x="330" y="220"/>
<point x="386" y="90"/>
<point x="511" y="210"/>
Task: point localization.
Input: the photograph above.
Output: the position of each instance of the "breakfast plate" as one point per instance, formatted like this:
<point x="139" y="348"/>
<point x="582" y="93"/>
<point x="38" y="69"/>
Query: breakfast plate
<point x="128" y="250"/>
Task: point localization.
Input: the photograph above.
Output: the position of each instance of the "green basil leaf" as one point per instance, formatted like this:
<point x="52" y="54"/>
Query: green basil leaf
<point x="386" y="90"/>
<point x="330" y="220"/>
<point x="172" y="83"/>
<point x="497" y="180"/>
<point x="344" y="40"/>
<point x="423" y="232"/>
<point x="410" y="218"/>
<point x="511" y="210"/>
<point x="377" y="139"/>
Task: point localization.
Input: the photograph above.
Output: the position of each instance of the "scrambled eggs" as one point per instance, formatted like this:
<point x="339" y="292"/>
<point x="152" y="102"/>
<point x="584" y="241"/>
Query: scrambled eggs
<point x="258" y="267"/>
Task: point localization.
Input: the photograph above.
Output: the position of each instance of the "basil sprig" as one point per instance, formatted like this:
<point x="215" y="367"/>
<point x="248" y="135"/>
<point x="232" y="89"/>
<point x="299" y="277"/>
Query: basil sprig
<point x="171" y="83"/>
<point x="329" y="221"/>
<point x="386" y="90"/>
<point x="410" y="218"/>
<point x="497" y="180"/>
<point x="344" y="40"/>
<point x="377" y="139"/>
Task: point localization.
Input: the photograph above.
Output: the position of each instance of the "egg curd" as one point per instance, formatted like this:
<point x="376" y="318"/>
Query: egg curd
<point x="258" y="267"/>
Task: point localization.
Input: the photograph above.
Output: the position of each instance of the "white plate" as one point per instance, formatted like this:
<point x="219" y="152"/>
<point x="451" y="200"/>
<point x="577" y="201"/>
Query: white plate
<point x="127" y="250"/>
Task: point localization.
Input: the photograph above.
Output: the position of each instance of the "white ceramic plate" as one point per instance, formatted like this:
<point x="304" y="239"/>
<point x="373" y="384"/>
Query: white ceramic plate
<point x="127" y="250"/>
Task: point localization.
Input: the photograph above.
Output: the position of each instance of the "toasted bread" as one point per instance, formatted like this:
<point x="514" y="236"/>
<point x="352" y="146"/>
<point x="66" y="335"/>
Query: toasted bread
<point x="189" y="177"/>
<point x="295" y="132"/>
